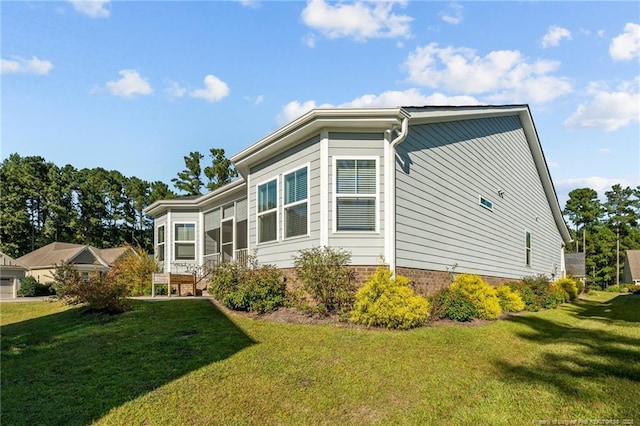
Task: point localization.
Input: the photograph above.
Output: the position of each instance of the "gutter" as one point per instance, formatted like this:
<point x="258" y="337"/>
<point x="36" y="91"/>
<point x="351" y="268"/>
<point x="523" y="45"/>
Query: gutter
<point x="390" y="192"/>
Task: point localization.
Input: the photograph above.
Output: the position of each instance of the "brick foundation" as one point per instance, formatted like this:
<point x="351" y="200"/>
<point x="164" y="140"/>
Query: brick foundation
<point x="426" y="282"/>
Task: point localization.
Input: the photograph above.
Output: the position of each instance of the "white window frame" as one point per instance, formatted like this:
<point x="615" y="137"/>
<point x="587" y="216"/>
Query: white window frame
<point x="376" y="195"/>
<point x="194" y="241"/>
<point x="296" y="203"/>
<point x="480" y="198"/>
<point x="161" y="244"/>
<point x="231" y="219"/>
<point x="528" y="249"/>
<point x="276" y="209"/>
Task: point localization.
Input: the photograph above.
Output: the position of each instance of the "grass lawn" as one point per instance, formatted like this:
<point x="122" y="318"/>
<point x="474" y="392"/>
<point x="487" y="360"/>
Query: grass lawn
<point x="185" y="362"/>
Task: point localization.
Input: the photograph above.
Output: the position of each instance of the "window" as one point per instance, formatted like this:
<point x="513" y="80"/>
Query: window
<point x="160" y="244"/>
<point x="212" y="232"/>
<point x="295" y="203"/>
<point x="527" y="243"/>
<point x="486" y="203"/>
<point x="356" y="192"/>
<point x="268" y="211"/>
<point x="185" y="241"/>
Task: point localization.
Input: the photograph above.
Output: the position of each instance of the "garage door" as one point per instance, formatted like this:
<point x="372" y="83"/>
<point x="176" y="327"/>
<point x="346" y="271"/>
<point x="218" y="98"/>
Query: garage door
<point x="6" y="288"/>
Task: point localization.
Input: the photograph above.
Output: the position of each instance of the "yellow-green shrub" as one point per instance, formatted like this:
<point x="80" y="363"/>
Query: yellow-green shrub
<point x="389" y="302"/>
<point x="481" y="294"/>
<point x="569" y="286"/>
<point x="510" y="300"/>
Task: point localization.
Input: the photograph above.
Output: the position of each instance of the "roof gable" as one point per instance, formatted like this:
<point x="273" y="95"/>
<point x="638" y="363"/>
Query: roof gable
<point x="66" y="253"/>
<point x="7" y="261"/>
<point x="633" y="264"/>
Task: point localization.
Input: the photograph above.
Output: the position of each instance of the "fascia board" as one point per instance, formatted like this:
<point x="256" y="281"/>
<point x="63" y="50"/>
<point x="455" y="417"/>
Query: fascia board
<point x="543" y="171"/>
<point x="159" y="206"/>
<point x="311" y="123"/>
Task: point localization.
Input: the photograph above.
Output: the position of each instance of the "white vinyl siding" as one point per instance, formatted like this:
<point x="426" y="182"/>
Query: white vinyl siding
<point x="356" y="194"/>
<point x="184" y="241"/>
<point x="268" y="211"/>
<point x="296" y="203"/>
<point x="441" y="169"/>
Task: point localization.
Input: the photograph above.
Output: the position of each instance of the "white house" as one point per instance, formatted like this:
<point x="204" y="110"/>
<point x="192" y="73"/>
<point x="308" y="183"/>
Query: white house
<point x="429" y="190"/>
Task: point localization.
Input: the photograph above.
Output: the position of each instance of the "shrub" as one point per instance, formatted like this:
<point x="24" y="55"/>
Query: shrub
<point x="30" y="287"/>
<point x="510" y="300"/>
<point x="133" y="269"/>
<point x="482" y="295"/>
<point x="569" y="286"/>
<point x="452" y="304"/>
<point x="528" y="297"/>
<point x="325" y="274"/>
<point x="100" y="292"/>
<point x="389" y="302"/>
<point x="255" y="288"/>
<point x="544" y="293"/>
<point x="580" y="286"/>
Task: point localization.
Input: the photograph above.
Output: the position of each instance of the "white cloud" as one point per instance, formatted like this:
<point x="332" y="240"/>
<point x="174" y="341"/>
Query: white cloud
<point x="554" y="35"/>
<point x="255" y="101"/>
<point x="129" y="85"/>
<point x="609" y="109"/>
<point x="175" y="90"/>
<point x="213" y="91"/>
<point x="604" y="151"/>
<point x="92" y="8"/>
<point x="601" y="33"/>
<point x="454" y="17"/>
<point x="310" y="40"/>
<point x="502" y="75"/>
<point x="391" y="98"/>
<point x="553" y="164"/>
<point x="253" y="4"/>
<point x="25" y="66"/>
<point x="361" y="20"/>
<point x="600" y="184"/>
<point x="626" y="46"/>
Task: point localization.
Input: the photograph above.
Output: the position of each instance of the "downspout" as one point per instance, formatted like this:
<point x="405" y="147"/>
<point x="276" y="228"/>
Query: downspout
<point x="390" y="194"/>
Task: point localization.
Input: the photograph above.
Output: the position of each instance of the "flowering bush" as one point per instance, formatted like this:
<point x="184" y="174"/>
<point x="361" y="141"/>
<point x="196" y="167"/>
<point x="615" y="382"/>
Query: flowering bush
<point x="510" y="300"/>
<point x="389" y="302"/>
<point x="452" y="304"/>
<point x="482" y="295"/>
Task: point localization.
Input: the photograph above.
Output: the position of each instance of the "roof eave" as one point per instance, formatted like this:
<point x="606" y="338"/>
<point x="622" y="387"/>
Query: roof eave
<point x="543" y="171"/>
<point x="159" y="206"/>
<point x="312" y="123"/>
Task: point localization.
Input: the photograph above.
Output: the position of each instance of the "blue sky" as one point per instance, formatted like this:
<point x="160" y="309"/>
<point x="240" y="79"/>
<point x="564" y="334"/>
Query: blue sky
<point x="135" y="86"/>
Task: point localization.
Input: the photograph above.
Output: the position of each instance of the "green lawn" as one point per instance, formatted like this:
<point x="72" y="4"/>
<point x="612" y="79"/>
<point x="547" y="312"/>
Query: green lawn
<point x="185" y="362"/>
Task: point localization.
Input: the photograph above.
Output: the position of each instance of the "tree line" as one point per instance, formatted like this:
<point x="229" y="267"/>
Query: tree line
<point x="41" y="202"/>
<point x="604" y="230"/>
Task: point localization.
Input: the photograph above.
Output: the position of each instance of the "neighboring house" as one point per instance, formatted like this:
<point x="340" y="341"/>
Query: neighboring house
<point x="631" y="272"/>
<point x="575" y="265"/>
<point x="11" y="272"/>
<point x="42" y="262"/>
<point x="427" y="190"/>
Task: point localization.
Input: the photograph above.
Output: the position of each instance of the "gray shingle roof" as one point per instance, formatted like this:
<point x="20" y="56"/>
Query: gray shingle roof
<point x="57" y="253"/>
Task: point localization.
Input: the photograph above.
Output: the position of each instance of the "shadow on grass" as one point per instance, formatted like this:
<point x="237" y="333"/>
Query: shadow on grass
<point x="73" y="367"/>
<point x="578" y="359"/>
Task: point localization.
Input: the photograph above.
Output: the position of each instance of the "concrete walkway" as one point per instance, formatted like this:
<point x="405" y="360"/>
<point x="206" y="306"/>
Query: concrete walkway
<point x="166" y="299"/>
<point x="27" y="299"/>
<point x="144" y="298"/>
